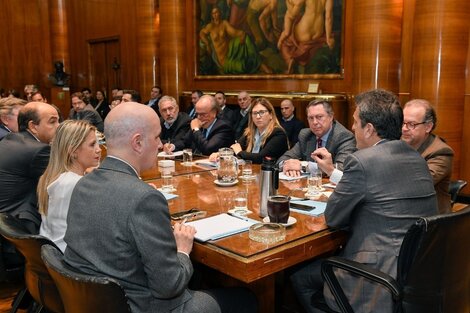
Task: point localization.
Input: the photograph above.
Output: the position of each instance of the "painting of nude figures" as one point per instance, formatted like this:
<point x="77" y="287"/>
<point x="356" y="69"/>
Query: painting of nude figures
<point x="260" y="38"/>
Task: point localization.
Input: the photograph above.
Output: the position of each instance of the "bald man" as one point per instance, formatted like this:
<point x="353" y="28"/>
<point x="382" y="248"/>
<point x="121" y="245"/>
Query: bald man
<point x="119" y="226"/>
<point x="289" y="122"/>
<point x="23" y="158"/>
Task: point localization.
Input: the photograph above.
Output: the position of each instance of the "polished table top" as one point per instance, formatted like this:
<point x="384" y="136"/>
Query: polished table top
<point x="237" y="255"/>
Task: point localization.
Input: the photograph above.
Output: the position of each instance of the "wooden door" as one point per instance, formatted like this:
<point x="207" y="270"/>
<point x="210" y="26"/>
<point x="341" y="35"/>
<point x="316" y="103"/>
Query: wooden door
<point x="104" y="62"/>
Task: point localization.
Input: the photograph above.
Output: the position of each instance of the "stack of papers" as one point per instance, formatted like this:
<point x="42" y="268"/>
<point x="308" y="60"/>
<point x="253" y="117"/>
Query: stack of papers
<point x="206" y="163"/>
<point x="219" y="226"/>
<point x="317" y="207"/>
<point x="283" y="176"/>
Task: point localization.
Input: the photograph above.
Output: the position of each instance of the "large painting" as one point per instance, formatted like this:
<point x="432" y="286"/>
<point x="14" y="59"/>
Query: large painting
<point x="275" y="38"/>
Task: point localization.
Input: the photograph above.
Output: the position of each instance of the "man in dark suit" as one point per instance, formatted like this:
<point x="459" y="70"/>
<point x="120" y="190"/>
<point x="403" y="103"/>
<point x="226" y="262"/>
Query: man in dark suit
<point x="323" y="131"/>
<point x="289" y="122"/>
<point x="195" y="96"/>
<point x="225" y="112"/>
<point x="9" y="109"/>
<point x="82" y="110"/>
<point x="175" y="124"/>
<point x="155" y="96"/>
<point x="208" y="133"/>
<point x="119" y="226"/>
<point x="244" y="101"/>
<point x="386" y="186"/>
<point x="23" y="158"/>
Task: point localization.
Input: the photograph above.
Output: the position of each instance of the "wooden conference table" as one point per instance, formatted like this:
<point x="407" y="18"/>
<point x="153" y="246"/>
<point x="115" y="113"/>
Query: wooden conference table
<point x="250" y="262"/>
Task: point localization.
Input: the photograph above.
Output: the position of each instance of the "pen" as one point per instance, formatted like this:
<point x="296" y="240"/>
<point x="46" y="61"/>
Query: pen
<point x="246" y="219"/>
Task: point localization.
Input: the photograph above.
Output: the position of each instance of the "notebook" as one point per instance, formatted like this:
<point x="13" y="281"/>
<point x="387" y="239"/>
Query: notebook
<point x="206" y="163"/>
<point x="219" y="226"/>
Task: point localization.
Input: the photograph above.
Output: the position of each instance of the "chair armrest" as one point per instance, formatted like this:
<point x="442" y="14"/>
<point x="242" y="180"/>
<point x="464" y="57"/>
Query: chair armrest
<point x="359" y="269"/>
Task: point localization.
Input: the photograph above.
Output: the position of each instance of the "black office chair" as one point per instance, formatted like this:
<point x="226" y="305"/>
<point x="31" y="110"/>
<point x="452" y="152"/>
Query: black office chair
<point x="37" y="279"/>
<point x="81" y="292"/>
<point x="433" y="268"/>
<point x="455" y="186"/>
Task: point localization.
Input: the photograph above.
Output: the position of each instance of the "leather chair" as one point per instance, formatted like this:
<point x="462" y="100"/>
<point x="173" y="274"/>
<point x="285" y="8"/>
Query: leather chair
<point x="455" y="186"/>
<point x="433" y="268"/>
<point x="37" y="279"/>
<point x="81" y="292"/>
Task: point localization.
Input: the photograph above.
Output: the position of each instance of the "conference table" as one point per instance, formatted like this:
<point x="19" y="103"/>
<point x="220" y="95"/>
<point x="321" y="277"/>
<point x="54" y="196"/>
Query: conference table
<point x="252" y="263"/>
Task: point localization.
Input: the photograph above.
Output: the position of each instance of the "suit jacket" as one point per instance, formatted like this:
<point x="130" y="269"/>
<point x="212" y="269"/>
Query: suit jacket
<point x="241" y="124"/>
<point x="340" y="144"/>
<point x="221" y="135"/>
<point x="383" y="191"/>
<point x="119" y="226"/>
<point x="3" y="131"/>
<point x="177" y="130"/>
<point x="88" y="114"/>
<point x="439" y="157"/>
<point x="292" y="128"/>
<point x="276" y="144"/>
<point x="228" y="115"/>
<point x="23" y="160"/>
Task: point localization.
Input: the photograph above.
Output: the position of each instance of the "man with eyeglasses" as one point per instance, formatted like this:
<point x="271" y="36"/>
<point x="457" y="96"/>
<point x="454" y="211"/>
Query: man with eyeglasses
<point x="208" y="133"/>
<point x="175" y="124"/>
<point x="418" y="123"/>
<point x="9" y="109"/>
<point x="323" y="132"/>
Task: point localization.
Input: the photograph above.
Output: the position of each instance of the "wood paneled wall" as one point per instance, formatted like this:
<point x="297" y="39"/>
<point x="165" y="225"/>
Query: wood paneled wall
<point x="416" y="48"/>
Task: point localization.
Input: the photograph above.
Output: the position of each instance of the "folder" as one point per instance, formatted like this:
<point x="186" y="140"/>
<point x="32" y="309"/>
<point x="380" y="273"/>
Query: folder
<point x="219" y="226"/>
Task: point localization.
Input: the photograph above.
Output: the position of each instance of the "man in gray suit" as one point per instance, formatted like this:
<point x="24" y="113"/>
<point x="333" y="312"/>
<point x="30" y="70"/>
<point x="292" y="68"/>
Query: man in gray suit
<point x="386" y="186"/>
<point x="119" y="226"/>
<point x="323" y="131"/>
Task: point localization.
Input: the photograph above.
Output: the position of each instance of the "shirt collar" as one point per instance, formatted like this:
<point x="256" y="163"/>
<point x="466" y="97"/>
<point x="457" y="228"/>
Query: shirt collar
<point x="288" y="119"/>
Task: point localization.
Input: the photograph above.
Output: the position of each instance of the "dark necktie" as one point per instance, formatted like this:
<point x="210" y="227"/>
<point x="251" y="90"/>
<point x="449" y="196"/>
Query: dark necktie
<point x="204" y="132"/>
<point x="319" y="143"/>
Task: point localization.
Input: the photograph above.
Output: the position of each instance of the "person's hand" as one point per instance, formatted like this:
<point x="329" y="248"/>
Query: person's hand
<point x="324" y="160"/>
<point x="196" y="123"/>
<point x="291" y="168"/>
<point x="184" y="237"/>
<point x="214" y="157"/>
<point x="168" y="148"/>
<point x="236" y="148"/>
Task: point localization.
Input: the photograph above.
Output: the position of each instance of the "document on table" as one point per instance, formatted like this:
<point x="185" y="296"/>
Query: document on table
<point x="283" y="176"/>
<point x="308" y="207"/>
<point x="219" y="226"/>
<point x="206" y="163"/>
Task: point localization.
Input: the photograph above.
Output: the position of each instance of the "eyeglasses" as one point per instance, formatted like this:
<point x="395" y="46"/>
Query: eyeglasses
<point x="259" y="113"/>
<point x="202" y="114"/>
<point x="319" y="118"/>
<point x="411" y="125"/>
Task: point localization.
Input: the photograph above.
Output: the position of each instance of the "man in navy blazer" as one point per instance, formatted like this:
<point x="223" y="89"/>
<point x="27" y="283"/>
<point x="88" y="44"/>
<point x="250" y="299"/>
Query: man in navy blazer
<point x="385" y="187"/>
<point x="119" y="226"/>
<point x="208" y="133"/>
<point x="175" y="124"/>
<point x="23" y="158"/>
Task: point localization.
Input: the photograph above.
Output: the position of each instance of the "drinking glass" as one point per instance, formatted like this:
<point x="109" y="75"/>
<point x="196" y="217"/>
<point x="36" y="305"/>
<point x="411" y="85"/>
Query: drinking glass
<point x="278" y="209"/>
<point x="187" y="157"/>
<point x="167" y="180"/>
<point x="314" y="183"/>
<point x="241" y="201"/>
<point x="247" y="171"/>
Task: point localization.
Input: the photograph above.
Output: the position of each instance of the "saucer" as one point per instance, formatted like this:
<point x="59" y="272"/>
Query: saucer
<point x="222" y="184"/>
<point x="291" y="221"/>
<point x="241" y="212"/>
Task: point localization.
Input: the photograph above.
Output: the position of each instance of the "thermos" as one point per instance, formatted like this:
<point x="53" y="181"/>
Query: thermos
<point x="269" y="183"/>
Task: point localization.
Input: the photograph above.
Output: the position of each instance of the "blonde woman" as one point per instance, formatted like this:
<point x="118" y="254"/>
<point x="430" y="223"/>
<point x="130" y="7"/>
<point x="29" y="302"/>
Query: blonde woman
<point x="74" y="149"/>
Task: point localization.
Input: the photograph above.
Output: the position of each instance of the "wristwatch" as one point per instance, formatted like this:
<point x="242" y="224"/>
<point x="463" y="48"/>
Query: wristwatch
<point x="195" y="129"/>
<point x="304" y="166"/>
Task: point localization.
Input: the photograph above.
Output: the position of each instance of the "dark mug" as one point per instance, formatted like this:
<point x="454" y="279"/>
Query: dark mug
<point x="278" y="209"/>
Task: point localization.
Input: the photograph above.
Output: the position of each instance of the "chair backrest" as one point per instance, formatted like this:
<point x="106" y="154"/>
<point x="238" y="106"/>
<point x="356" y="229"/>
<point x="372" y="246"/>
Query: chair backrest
<point x="81" y="292"/>
<point x="455" y="186"/>
<point x="37" y="279"/>
<point x="434" y="264"/>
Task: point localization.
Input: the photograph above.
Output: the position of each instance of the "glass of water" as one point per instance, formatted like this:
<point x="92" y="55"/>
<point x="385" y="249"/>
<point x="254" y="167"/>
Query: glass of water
<point x="247" y="170"/>
<point x="240" y="202"/>
<point x="167" y="180"/>
<point x="187" y="157"/>
<point x="314" y="183"/>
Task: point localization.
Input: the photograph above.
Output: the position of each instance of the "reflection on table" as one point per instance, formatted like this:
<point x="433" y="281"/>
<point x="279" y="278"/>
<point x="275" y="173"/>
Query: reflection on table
<point x="237" y="256"/>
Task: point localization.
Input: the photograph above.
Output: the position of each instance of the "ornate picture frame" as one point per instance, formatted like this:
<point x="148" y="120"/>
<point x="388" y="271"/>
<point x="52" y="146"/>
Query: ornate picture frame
<point x="269" y="39"/>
